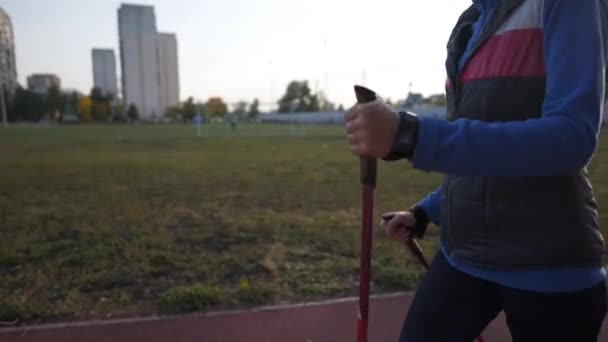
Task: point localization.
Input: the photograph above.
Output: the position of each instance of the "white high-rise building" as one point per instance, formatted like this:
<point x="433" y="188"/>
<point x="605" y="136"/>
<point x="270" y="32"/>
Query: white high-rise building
<point x="104" y="71"/>
<point x="139" y="59"/>
<point x="169" y="74"/>
<point x="8" y="66"/>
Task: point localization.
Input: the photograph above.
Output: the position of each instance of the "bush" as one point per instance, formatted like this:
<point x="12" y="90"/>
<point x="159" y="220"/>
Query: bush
<point x="182" y="299"/>
<point x="257" y="294"/>
<point x="20" y="308"/>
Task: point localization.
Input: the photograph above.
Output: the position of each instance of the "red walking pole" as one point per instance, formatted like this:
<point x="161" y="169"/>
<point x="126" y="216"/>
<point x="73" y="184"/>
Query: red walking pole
<point x="368" y="181"/>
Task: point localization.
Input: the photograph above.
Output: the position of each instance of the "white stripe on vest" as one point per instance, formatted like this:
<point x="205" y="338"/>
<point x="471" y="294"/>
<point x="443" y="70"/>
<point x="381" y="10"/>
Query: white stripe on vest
<point x="528" y="15"/>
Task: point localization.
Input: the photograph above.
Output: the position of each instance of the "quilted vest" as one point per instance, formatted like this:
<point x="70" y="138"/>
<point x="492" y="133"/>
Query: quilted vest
<point x="512" y="223"/>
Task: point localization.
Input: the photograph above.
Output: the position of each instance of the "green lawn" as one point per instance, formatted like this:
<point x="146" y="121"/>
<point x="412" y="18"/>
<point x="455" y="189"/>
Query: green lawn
<point x="138" y="219"/>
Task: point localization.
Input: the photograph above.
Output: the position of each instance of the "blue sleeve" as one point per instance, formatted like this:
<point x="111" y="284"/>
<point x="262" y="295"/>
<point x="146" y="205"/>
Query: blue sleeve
<point x="564" y="138"/>
<point x="431" y="205"/>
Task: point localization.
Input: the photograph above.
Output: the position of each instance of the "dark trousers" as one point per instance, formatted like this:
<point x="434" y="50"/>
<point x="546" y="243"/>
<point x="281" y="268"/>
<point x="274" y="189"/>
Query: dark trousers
<point x="453" y="306"/>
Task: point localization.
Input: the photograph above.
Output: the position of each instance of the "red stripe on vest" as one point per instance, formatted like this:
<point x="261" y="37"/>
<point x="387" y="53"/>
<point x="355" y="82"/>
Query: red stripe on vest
<point x="517" y="53"/>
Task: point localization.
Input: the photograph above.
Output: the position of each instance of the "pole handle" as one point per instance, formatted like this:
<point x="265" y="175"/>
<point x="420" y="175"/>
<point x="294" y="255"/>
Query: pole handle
<point x="368" y="166"/>
<point x="412" y="244"/>
<point x="365" y="95"/>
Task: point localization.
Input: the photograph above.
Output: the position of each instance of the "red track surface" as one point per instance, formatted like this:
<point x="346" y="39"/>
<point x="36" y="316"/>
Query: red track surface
<point x="321" y="322"/>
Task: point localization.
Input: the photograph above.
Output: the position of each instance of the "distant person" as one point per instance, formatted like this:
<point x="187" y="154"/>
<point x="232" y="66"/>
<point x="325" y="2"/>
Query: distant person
<point x="519" y="222"/>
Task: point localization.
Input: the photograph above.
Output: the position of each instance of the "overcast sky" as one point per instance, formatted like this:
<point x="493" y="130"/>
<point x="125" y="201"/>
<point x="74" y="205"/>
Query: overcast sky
<point x="241" y="49"/>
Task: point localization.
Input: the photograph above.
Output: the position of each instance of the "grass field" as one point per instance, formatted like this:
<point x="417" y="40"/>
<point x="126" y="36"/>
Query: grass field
<point x="100" y="221"/>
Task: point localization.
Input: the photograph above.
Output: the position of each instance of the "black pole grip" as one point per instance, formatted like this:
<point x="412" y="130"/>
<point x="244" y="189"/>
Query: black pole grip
<point x="364" y="95"/>
<point x="368" y="165"/>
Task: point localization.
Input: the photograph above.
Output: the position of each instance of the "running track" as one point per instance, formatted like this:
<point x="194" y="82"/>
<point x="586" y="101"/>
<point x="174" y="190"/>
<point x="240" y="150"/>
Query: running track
<point x="333" y="321"/>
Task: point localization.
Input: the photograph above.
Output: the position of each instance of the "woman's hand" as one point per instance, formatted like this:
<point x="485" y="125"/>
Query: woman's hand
<point x="371" y="129"/>
<point x="398" y="225"/>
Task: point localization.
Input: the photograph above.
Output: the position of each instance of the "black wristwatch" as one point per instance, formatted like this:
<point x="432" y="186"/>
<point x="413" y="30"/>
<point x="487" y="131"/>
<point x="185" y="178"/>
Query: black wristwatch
<point x="406" y="138"/>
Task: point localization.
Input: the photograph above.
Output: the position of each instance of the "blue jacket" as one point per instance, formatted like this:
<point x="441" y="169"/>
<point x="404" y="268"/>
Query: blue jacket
<point x="560" y="141"/>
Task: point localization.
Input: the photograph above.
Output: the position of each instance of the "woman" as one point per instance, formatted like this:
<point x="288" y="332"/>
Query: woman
<point x="519" y="223"/>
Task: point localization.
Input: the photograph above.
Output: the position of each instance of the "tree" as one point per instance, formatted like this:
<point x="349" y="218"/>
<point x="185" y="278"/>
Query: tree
<point x="84" y="107"/>
<point x="132" y="112"/>
<point x="341" y="108"/>
<point x="438" y="100"/>
<point x="54" y="97"/>
<point x="74" y="97"/>
<point x="26" y="105"/>
<point x="101" y="111"/>
<point x="97" y="94"/>
<point x="101" y="104"/>
<point x="216" y="107"/>
<point x="201" y="108"/>
<point x="298" y="98"/>
<point x="254" y="109"/>
<point x="118" y="113"/>
<point x="435" y="100"/>
<point x="173" y="113"/>
<point x="54" y="100"/>
<point x="313" y="104"/>
<point x="324" y="104"/>
<point x="240" y="109"/>
<point x="188" y="109"/>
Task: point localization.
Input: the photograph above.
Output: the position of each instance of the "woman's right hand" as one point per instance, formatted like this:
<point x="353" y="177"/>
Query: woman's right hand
<point x="398" y="225"/>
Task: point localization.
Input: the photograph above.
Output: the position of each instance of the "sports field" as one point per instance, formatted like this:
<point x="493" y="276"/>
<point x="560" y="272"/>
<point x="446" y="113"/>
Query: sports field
<point x="99" y="221"/>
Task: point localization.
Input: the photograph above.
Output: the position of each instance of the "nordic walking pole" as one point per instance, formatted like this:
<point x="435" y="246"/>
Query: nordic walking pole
<point x="368" y="181"/>
<point x="416" y="250"/>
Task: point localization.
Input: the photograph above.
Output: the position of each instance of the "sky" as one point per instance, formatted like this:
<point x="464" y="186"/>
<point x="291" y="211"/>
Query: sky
<point x="245" y="49"/>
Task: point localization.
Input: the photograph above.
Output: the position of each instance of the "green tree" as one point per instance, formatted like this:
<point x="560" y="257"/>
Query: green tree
<point x="132" y="112"/>
<point x="313" y="104"/>
<point x="118" y="113"/>
<point x="202" y="110"/>
<point x="101" y="111"/>
<point x="96" y="94"/>
<point x="435" y="100"/>
<point x="240" y="109"/>
<point x="438" y="100"/>
<point x="101" y="104"/>
<point x="298" y="98"/>
<point x="254" y="109"/>
<point x="26" y="106"/>
<point x="188" y="109"/>
<point x="173" y="113"/>
<point x="54" y="99"/>
<point x="216" y="107"/>
<point x="73" y="98"/>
